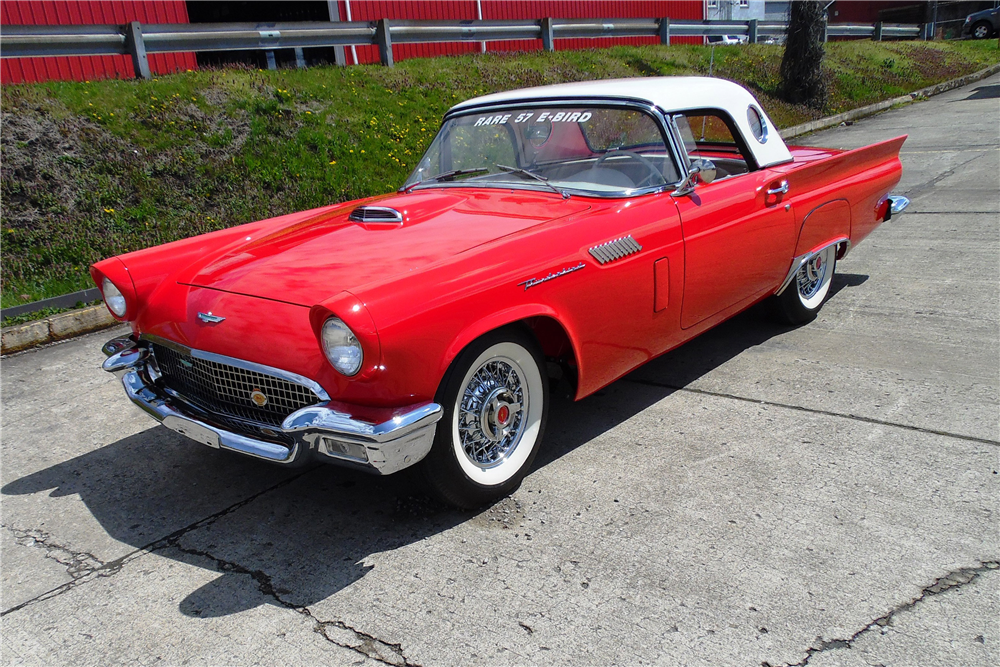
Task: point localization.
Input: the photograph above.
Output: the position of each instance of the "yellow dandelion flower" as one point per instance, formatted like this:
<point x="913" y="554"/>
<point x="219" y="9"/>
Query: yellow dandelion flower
<point x="333" y="162"/>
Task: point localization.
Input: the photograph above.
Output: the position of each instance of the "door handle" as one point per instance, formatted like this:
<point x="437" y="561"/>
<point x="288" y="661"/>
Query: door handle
<point x="780" y="190"/>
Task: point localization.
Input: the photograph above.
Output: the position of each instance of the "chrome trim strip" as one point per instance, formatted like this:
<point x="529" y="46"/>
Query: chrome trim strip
<point x="616" y="249"/>
<point x="898" y="204"/>
<point x="801" y="261"/>
<point x="240" y="363"/>
<point x="397" y="443"/>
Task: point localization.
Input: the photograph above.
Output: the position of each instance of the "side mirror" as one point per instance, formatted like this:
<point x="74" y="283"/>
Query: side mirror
<point x="701" y="170"/>
<point x="705" y="170"/>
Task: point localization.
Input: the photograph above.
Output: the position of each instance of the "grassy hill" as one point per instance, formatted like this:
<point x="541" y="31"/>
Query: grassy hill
<point x="94" y="169"/>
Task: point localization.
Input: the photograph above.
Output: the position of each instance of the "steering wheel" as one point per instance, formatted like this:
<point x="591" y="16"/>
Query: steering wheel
<point x="646" y="162"/>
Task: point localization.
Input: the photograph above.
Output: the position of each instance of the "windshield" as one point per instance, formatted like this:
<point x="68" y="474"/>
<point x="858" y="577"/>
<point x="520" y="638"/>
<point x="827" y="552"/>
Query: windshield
<point x="592" y="150"/>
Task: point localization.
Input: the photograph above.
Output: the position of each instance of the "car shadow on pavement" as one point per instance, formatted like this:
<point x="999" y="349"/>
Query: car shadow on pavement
<point x="296" y="537"/>
<point x="983" y="93"/>
<point x="572" y="424"/>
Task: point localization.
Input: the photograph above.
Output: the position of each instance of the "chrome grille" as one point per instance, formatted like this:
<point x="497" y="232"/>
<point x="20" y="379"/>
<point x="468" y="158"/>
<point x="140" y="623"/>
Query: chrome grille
<point x="226" y="390"/>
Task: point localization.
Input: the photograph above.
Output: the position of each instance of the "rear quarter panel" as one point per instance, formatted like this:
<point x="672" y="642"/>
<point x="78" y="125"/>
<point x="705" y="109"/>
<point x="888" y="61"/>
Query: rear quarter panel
<point x="845" y="192"/>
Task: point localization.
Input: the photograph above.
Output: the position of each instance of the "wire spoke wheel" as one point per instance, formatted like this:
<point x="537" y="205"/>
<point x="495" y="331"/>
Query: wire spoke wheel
<point x="491" y="412"/>
<point x="813" y="279"/>
<point x="802" y="299"/>
<point x="495" y="400"/>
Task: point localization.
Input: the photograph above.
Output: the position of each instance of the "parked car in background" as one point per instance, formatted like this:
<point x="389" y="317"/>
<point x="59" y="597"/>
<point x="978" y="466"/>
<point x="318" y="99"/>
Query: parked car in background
<point x="982" y="25"/>
<point x="573" y="231"/>
<point x="723" y="40"/>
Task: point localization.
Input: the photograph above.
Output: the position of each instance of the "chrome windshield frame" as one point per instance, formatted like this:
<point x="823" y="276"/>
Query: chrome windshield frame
<point x="671" y="141"/>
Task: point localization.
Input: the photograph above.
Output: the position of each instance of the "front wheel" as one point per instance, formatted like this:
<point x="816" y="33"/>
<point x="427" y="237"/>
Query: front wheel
<point x="802" y="299"/>
<point x="495" y="405"/>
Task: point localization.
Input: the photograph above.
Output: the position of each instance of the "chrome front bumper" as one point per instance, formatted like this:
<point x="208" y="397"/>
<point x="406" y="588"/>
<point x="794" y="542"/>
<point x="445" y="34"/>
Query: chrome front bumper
<point x="325" y="431"/>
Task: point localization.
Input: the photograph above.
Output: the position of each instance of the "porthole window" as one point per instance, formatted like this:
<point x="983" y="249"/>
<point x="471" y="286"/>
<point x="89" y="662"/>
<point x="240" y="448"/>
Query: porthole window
<point x="757" y="124"/>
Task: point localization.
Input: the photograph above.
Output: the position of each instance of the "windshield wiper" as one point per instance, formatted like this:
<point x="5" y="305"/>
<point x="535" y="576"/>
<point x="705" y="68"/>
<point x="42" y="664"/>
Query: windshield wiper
<point x="531" y="174"/>
<point x="446" y="175"/>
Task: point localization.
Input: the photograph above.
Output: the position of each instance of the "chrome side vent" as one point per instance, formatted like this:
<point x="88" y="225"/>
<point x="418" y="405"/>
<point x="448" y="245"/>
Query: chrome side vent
<point x="376" y="214"/>
<point x="612" y="250"/>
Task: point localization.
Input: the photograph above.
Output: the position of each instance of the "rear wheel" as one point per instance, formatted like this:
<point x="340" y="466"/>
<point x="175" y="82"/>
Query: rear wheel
<point x="802" y="299"/>
<point x="495" y="400"/>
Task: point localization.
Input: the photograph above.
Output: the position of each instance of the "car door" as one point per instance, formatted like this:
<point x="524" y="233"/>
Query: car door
<point x="738" y="230"/>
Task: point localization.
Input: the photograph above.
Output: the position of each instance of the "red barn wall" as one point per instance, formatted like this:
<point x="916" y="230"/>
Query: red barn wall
<point x="509" y="10"/>
<point x="81" y="68"/>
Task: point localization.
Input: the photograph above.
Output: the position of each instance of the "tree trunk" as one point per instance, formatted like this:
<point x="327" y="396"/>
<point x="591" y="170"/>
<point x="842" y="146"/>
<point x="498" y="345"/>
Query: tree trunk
<point x="801" y="67"/>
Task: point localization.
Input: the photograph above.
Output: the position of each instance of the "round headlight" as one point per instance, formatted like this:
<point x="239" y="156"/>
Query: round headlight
<point x="341" y="347"/>
<point x="114" y="298"/>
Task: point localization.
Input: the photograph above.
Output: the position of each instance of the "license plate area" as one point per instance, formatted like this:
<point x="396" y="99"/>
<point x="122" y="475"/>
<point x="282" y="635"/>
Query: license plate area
<point x="190" y="429"/>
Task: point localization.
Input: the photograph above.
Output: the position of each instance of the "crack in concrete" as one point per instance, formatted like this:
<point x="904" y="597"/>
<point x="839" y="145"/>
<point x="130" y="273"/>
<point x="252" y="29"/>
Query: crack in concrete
<point x="78" y="563"/>
<point x="909" y="213"/>
<point x="923" y="187"/>
<point x="364" y="643"/>
<point x="954" y="579"/>
<point x="88" y="567"/>
<point x="815" y="411"/>
<point x="113" y="567"/>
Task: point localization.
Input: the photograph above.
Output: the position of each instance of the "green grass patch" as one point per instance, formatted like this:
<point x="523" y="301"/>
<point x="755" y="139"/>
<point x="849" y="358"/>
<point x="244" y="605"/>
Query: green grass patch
<point x="91" y="170"/>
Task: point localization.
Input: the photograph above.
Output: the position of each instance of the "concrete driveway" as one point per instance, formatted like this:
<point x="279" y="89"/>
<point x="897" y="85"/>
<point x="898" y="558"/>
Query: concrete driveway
<point x="826" y="495"/>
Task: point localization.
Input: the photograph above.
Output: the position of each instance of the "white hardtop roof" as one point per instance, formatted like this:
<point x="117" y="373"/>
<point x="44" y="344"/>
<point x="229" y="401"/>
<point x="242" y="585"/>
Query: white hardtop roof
<point x="669" y="93"/>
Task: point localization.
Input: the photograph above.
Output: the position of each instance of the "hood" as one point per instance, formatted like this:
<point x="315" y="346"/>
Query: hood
<point x="306" y="261"/>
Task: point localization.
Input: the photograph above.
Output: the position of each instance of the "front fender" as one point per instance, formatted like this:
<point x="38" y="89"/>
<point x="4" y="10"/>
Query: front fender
<point x="500" y="319"/>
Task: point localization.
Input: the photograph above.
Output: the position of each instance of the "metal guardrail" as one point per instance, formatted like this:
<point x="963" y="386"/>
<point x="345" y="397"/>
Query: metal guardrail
<point x="64" y="301"/>
<point x="138" y="40"/>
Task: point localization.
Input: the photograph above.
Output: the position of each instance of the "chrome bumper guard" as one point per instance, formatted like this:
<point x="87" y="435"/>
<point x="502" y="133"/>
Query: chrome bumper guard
<point x="897" y="204"/>
<point x="323" y="430"/>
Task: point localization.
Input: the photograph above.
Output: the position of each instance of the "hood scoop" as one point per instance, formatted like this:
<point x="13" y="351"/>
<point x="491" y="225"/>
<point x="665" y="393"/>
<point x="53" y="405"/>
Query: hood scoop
<point x="376" y="214"/>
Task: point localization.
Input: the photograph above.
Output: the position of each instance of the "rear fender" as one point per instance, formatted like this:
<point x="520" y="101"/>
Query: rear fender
<point x="824" y="223"/>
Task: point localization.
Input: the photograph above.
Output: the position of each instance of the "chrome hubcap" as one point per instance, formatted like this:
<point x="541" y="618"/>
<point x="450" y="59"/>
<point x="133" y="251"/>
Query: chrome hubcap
<point x="491" y="413"/>
<point x="810" y="276"/>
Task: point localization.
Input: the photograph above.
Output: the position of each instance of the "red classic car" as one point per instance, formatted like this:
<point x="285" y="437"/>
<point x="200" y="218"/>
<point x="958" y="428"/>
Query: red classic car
<point x="580" y="229"/>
